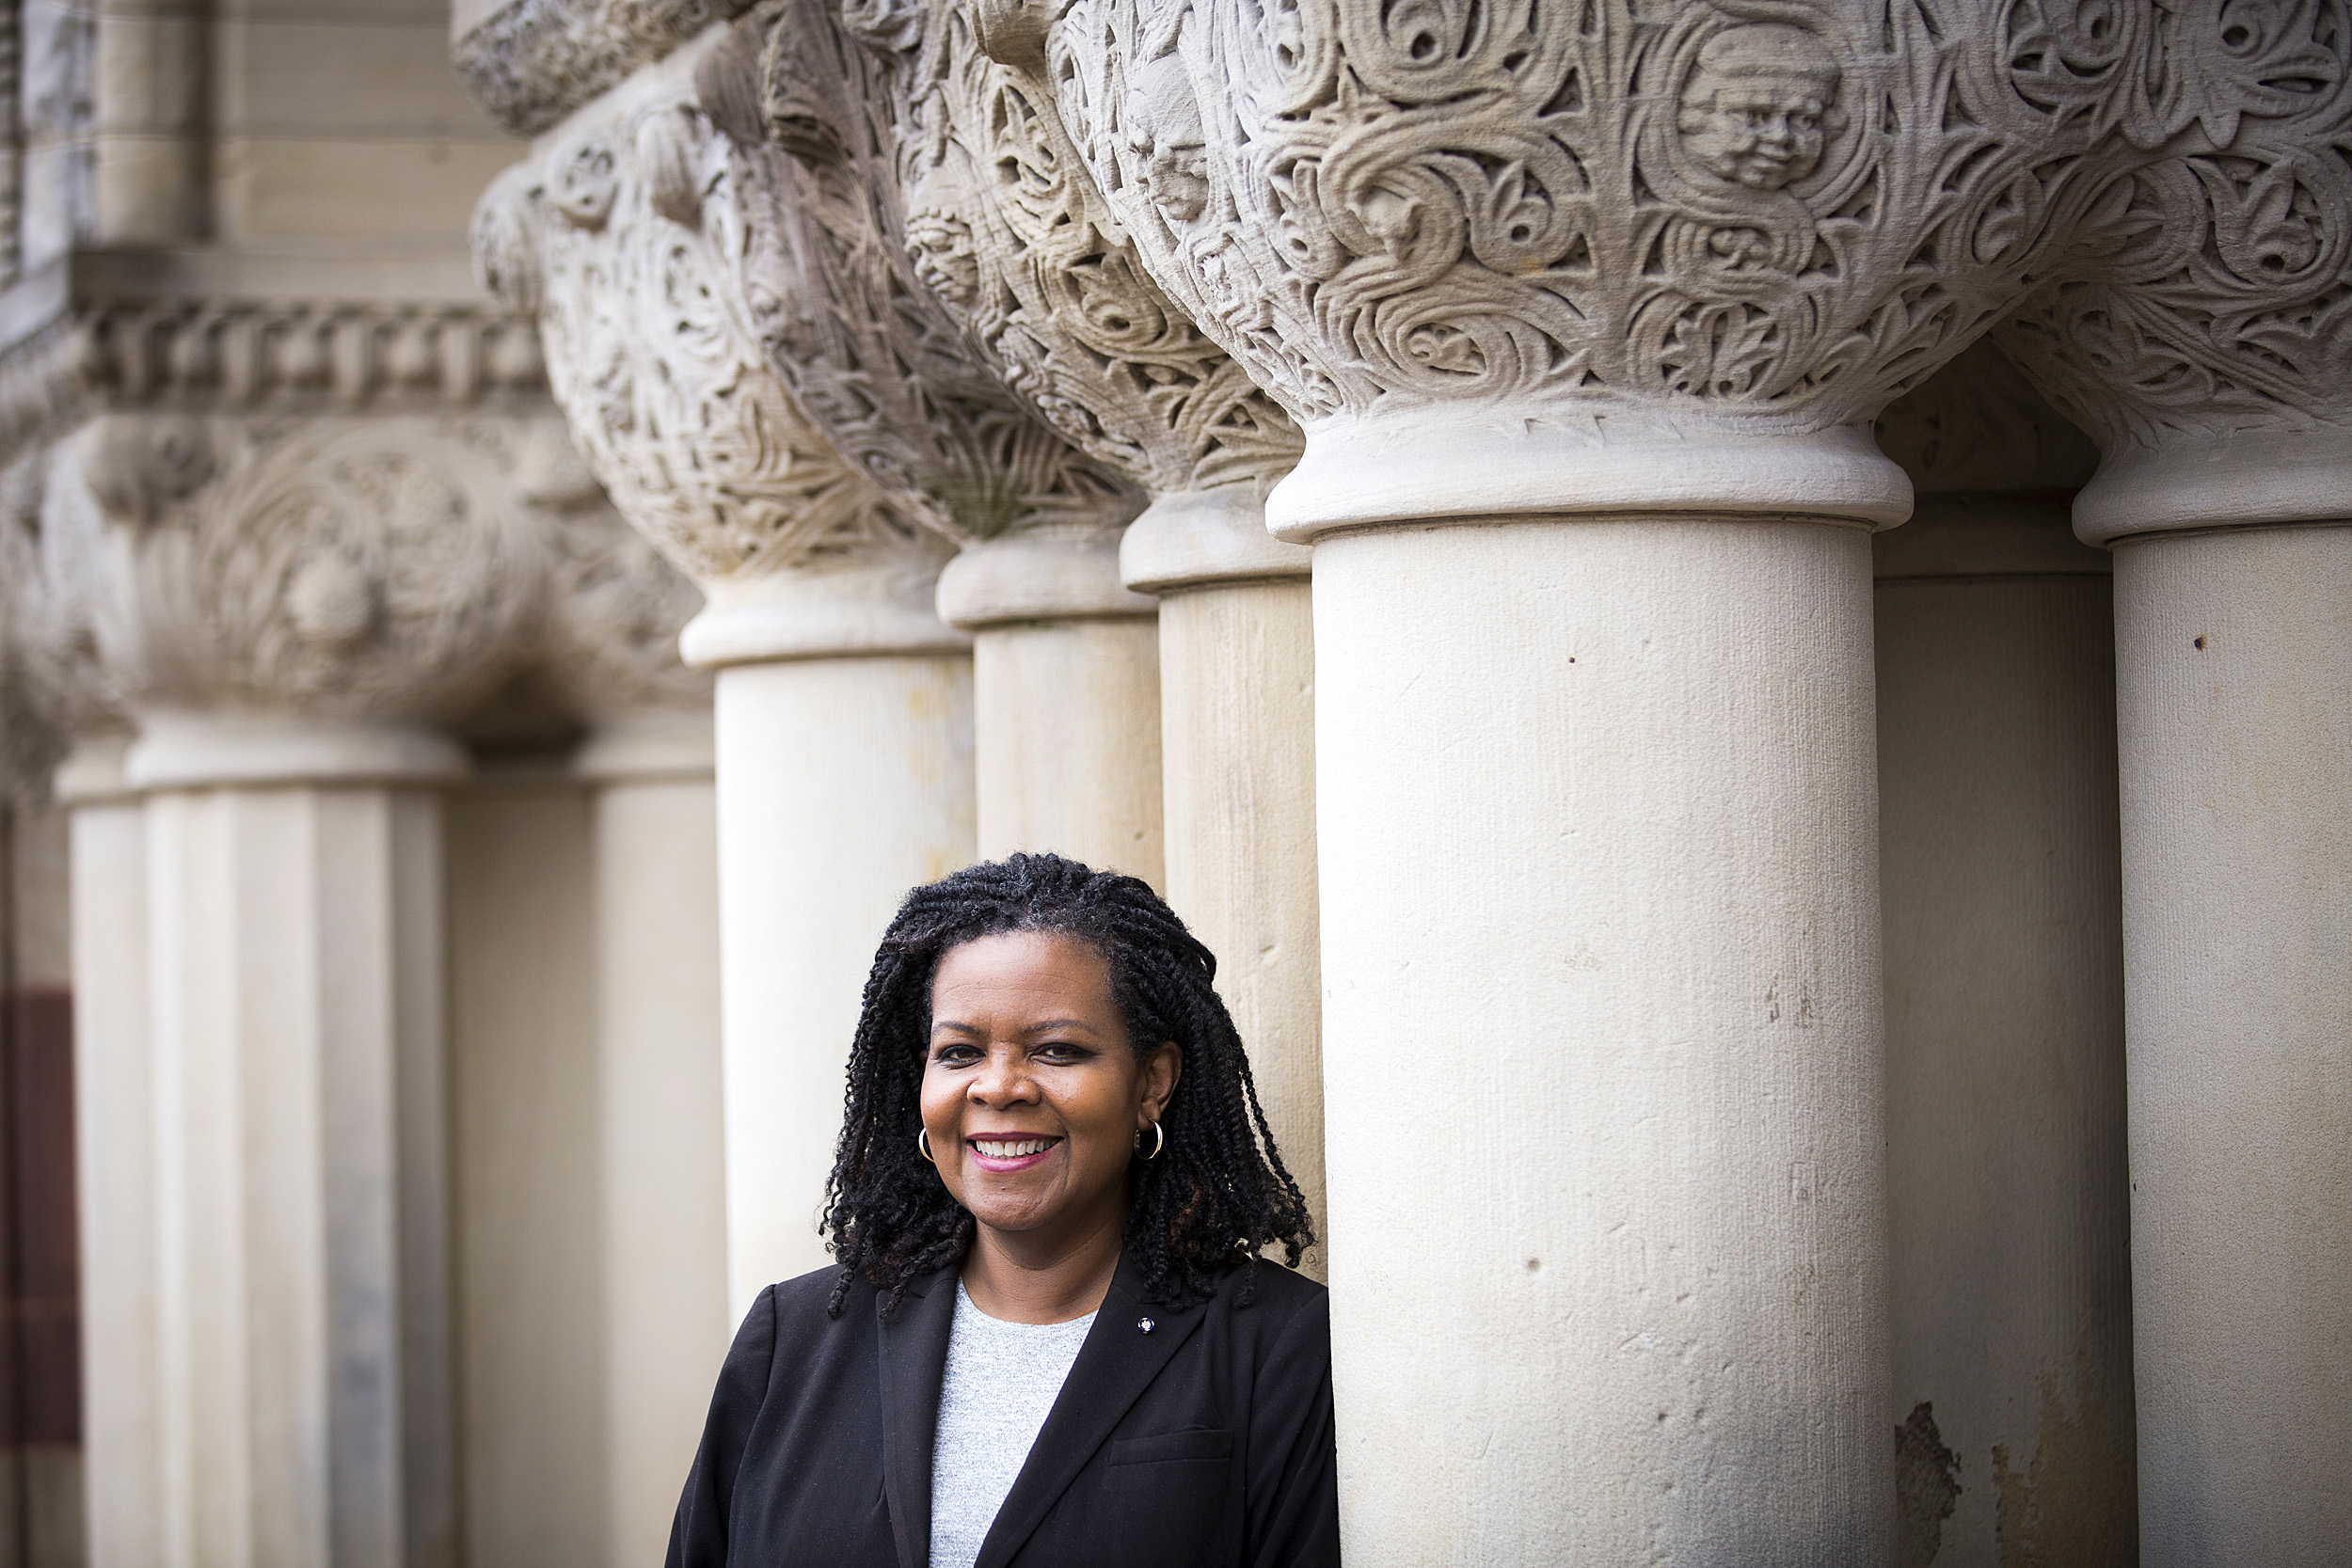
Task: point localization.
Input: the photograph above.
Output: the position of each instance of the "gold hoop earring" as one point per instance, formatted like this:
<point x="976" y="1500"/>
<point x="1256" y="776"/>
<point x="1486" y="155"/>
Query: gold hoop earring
<point x="1159" y="1141"/>
<point x="922" y="1144"/>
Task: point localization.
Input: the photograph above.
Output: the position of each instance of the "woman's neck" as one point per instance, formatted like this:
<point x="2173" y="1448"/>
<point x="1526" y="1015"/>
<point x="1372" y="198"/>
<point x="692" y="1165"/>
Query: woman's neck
<point x="1023" y="1277"/>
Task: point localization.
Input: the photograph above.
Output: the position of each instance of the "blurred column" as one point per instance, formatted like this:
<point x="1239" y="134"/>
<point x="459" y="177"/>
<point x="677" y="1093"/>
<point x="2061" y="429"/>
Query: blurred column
<point x="664" y="1168"/>
<point x="119" y="1193"/>
<point x="258" y="599"/>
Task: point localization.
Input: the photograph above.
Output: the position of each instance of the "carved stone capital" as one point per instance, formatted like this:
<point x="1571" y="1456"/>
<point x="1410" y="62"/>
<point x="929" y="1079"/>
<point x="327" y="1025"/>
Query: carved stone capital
<point x="534" y="61"/>
<point x="336" y="572"/>
<point x="837" y="296"/>
<point x="622" y="238"/>
<point x="2202" y="327"/>
<point x="1681" y="252"/>
<point x="1002" y="220"/>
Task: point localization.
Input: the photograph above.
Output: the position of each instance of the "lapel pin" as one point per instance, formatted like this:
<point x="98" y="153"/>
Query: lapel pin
<point x="1146" y="1325"/>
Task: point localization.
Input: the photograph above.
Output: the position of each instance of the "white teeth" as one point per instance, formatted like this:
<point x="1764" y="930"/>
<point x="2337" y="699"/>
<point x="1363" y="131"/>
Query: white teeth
<point x="999" y="1148"/>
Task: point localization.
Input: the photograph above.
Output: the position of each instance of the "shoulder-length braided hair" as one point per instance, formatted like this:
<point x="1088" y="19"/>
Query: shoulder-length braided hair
<point x="1214" y="1191"/>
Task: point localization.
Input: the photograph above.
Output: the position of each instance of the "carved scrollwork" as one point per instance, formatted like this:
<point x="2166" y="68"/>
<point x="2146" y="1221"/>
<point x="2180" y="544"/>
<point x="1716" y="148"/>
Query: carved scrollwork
<point x="1778" y="212"/>
<point x="622" y="239"/>
<point x="846" y="297"/>
<point x="352" y="568"/>
<point x="1005" y="226"/>
<point x="2210" y="292"/>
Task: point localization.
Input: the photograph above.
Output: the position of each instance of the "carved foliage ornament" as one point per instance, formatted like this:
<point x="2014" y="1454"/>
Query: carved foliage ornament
<point x="367" y="569"/>
<point x="1778" y="212"/>
<point x="1003" y="223"/>
<point x="622" y="241"/>
<point x="2211" y="292"/>
<point x="839" y="298"/>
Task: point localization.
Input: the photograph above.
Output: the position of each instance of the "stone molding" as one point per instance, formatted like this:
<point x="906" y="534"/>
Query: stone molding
<point x="842" y="311"/>
<point x="1038" y="576"/>
<point x="86" y="335"/>
<point x="530" y="63"/>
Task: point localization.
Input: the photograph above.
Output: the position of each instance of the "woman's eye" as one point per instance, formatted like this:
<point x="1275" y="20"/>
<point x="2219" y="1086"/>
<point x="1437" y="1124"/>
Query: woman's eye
<point x="1059" y="1051"/>
<point x="955" y="1056"/>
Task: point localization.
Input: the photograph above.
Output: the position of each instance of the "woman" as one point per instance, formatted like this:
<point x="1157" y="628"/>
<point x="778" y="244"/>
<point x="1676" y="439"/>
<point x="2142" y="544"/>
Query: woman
<point x="1050" y="1339"/>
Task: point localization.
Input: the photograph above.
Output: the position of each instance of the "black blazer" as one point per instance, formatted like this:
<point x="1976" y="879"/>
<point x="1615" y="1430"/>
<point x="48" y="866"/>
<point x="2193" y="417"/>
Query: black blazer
<point x="1204" y="1443"/>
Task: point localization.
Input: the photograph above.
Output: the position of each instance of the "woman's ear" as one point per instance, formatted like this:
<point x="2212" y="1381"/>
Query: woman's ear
<point x="1160" y="1072"/>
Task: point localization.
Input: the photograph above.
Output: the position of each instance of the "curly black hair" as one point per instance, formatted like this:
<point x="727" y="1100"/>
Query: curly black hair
<point x="1214" y="1193"/>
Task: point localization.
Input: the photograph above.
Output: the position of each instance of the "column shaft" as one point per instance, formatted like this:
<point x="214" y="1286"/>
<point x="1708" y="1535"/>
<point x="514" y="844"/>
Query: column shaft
<point x="117" y="1189"/>
<point x="1598" y="845"/>
<point x="1067" y="741"/>
<point x="2234" y="653"/>
<point x="843" y="781"/>
<point x="1237" y="670"/>
<point x="297" y="1017"/>
<point x="2010" y="1225"/>
<point x="665" y="1248"/>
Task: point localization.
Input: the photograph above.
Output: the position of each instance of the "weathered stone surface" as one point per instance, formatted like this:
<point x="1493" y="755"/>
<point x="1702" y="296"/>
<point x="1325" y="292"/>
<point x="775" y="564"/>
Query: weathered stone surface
<point x="836" y="292"/>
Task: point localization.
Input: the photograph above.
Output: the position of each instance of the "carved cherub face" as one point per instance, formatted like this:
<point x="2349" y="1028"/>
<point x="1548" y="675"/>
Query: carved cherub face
<point x="1164" y="134"/>
<point x="1759" y="106"/>
<point x="940" y="245"/>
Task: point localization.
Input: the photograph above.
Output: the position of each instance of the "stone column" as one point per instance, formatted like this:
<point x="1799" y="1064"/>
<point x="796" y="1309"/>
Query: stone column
<point x="1597" y="794"/>
<point x="1237" y="688"/>
<point x="287" y="608"/>
<point x="843" y="704"/>
<point x="847" y="294"/>
<point x="2010" y="1203"/>
<point x="2202" y="346"/>
<point x="117" y="1186"/>
<point x="1014" y="239"/>
<point x="649" y="760"/>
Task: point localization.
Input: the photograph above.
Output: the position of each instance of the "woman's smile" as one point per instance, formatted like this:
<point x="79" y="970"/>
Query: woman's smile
<point x="1010" y="1151"/>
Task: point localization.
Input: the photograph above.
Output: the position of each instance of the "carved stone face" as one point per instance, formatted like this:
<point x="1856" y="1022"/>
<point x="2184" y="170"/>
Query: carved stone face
<point x="1164" y="134"/>
<point x="940" y="245"/>
<point x="1759" y="107"/>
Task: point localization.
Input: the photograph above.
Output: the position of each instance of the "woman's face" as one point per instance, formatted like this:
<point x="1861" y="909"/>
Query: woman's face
<point x="1032" y="1093"/>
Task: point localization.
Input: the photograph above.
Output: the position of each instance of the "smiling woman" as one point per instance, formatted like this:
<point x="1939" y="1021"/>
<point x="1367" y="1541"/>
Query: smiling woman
<point x="1052" y="1190"/>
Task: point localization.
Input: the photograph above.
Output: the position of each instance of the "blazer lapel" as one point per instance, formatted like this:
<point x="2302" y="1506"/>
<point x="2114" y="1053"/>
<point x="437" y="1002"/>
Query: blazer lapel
<point x="1115" y="1366"/>
<point x="913" y="1364"/>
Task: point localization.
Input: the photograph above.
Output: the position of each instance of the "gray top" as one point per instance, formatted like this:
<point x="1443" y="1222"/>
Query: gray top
<point x="1002" y="1379"/>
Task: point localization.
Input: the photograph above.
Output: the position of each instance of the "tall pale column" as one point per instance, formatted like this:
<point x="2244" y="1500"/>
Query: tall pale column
<point x="1066" y="700"/>
<point x="842" y="704"/>
<point x="1596" y="794"/>
<point x="1237" y="686"/>
<point x="296" y="1247"/>
<point x="2227" y="429"/>
<point x="116" y="1190"/>
<point x="845" y="778"/>
<point x="662" y="1116"/>
<point x="2233" y="650"/>
<point x="294" y="979"/>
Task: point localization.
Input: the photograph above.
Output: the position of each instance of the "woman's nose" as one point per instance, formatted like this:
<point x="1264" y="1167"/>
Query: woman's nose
<point x="1004" y="1079"/>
